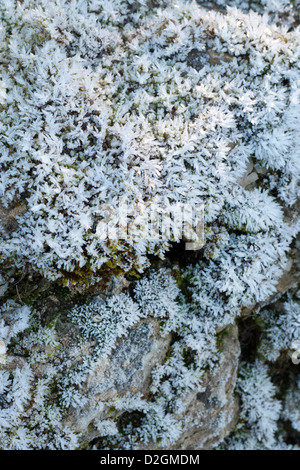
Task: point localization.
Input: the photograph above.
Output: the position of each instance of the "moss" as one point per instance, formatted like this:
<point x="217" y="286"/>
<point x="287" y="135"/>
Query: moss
<point x="79" y="275"/>
<point x="112" y="410"/>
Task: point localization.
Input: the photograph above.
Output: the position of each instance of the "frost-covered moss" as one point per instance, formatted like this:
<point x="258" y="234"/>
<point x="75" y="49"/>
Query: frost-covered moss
<point x="260" y="410"/>
<point x="29" y="417"/>
<point x="102" y="100"/>
<point x="51" y="381"/>
<point x="281" y="329"/>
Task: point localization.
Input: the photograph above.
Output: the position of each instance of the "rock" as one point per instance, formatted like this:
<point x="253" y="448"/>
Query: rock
<point x="198" y="59"/>
<point x="261" y="170"/>
<point x="116" y="285"/>
<point x="9" y="216"/>
<point x="250" y="176"/>
<point x="207" y="416"/>
<point x="210" y="415"/>
<point x="3" y="287"/>
<point x="127" y="369"/>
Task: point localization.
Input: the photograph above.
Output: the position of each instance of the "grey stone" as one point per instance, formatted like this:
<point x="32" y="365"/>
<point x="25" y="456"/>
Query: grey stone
<point x="211" y="415"/>
<point x="127" y="369"/>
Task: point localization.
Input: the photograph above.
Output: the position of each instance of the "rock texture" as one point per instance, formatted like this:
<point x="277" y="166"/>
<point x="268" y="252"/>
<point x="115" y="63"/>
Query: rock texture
<point x="127" y="370"/>
<point x="209" y="416"/>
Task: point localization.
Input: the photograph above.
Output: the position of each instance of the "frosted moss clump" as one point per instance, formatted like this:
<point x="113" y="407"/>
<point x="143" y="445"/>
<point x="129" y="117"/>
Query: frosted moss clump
<point x="102" y="324"/>
<point x="253" y="211"/>
<point x="29" y="419"/>
<point x="105" y="101"/>
<point x="281" y="329"/>
<point x="260" y="410"/>
<point x="283" y="12"/>
<point x="160" y="296"/>
<point x="246" y="271"/>
<point x="14" y="319"/>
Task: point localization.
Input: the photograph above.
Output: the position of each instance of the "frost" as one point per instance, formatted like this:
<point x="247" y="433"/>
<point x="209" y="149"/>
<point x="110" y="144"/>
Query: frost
<point x="108" y="104"/>
<point x="14" y="319"/>
<point x="281" y="329"/>
<point x="260" y="410"/>
<point x="103" y="101"/>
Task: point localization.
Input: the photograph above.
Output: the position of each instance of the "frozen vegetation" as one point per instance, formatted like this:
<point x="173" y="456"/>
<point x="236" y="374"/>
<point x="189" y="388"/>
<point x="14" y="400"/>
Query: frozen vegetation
<point x="169" y="102"/>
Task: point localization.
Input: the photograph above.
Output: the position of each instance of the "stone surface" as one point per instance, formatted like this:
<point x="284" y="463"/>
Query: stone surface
<point x="9" y="216"/>
<point x="127" y="369"/>
<point x="250" y="176"/>
<point x="198" y="59"/>
<point x="210" y="415"/>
